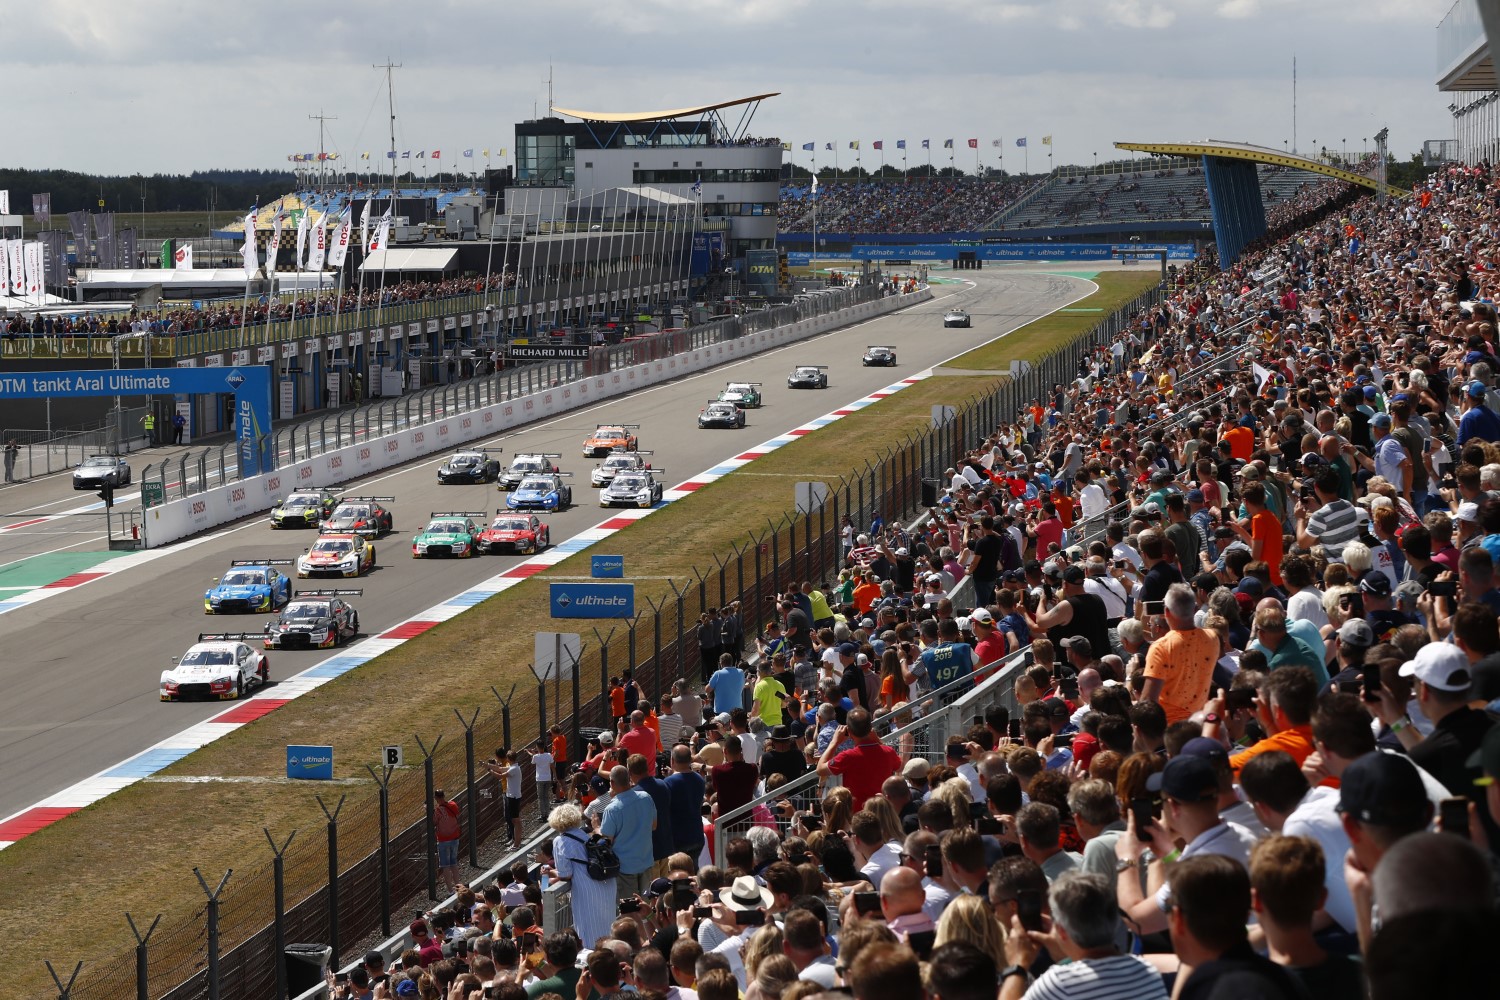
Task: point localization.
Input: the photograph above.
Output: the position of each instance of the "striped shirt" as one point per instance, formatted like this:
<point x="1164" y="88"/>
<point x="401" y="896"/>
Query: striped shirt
<point x="1119" y="977"/>
<point x="1334" y="525"/>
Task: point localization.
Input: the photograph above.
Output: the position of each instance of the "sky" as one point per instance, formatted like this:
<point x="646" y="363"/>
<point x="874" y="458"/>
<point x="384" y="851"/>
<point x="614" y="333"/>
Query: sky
<point x="173" y="86"/>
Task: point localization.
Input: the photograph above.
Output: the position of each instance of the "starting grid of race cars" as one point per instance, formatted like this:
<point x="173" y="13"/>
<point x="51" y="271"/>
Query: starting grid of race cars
<point x="243" y="670"/>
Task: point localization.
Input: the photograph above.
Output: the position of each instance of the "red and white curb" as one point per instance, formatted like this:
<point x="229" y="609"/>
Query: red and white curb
<point x="174" y="748"/>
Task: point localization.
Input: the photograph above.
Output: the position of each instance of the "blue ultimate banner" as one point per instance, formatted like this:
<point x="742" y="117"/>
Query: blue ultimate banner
<point x="309" y="763"/>
<point x="606" y="567"/>
<point x="1016" y="251"/>
<point x="593" y="600"/>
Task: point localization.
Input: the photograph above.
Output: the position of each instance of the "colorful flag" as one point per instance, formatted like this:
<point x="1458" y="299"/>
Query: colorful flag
<point x="382" y="231"/>
<point x="827" y="145"/>
<point x="786" y="147"/>
<point x="900" y="143"/>
<point x="182" y="260"/>
<point x="390" y="154"/>
<point x="502" y="153"/>
<point x="406" y="154"/>
<point x="854" y="144"/>
<point x="17" y="265"/>
<point x="996" y="143"/>
<point x="32" y="261"/>
<point x="5" y="267"/>
<point x="698" y="186"/>
<point x="302" y="220"/>
<point x="41" y="208"/>
<point x="340" y="246"/>
<point x="1046" y="140"/>
<point x="879" y="144"/>
<point x="317" y="251"/>
<point x="421" y="154"/>
<point x="437" y="154"/>
<point x="4" y="202"/>
<point x="468" y="154"/>
<point x="252" y="263"/>
<point x="1021" y="141"/>
<point x="926" y="143"/>
<point x="815" y="184"/>
<point x="808" y="146"/>
<point x="947" y="143"/>
<point x="273" y="245"/>
<point x="364" y="155"/>
<point x="486" y="154"/>
<point x="973" y="143"/>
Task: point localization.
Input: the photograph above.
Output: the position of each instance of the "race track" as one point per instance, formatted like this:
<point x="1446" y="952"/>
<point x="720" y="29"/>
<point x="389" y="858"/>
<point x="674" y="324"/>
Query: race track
<point x="80" y="668"/>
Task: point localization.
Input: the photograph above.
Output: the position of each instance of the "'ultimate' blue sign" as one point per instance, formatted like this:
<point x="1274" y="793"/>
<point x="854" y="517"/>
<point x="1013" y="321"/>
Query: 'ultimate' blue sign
<point x="1019" y="251"/>
<point x="593" y="600"/>
<point x="606" y="567"/>
<point x="309" y="763"/>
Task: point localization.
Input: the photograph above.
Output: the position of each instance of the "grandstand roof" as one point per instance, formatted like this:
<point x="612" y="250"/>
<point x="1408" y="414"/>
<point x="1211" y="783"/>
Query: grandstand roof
<point x="625" y="117"/>
<point x="411" y="259"/>
<point x="1257" y="154"/>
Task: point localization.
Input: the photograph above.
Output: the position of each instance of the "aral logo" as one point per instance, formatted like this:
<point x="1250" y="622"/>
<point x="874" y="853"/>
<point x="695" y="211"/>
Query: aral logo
<point x="564" y="601"/>
<point x="235" y="379"/>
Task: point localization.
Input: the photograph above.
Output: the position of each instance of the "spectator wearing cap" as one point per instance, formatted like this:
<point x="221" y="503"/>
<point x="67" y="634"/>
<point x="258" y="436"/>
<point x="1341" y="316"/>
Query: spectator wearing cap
<point x="1202" y="518"/>
<point x="1466" y="525"/>
<point x="1275" y="786"/>
<point x="1478" y="422"/>
<point x="1332" y="523"/>
<point x="1443" y="682"/>
<point x="1388" y="459"/>
<point x="1079" y="613"/>
<point x="1179" y="666"/>
<point x="1381" y="800"/>
<point x="782" y="756"/>
<point x="1189" y="812"/>
<point x="992" y="644"/>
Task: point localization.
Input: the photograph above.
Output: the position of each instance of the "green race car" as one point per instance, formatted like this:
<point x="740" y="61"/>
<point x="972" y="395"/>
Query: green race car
<point x="304" y="509"/>
<point x="449" y="533"/>
<point x="745" y="395"/>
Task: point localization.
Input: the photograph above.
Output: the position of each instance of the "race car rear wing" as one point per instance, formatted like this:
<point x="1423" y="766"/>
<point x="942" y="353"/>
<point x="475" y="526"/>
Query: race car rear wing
<point x="457" y="513"/>
<point x="728" y="384"/>
<point x="537" y="454"/>
<point x="367" y="499"/>
<point x="880" y="347"/>
<point x="261" y="562"/>
<point x="230" y="636"/>
<point x="623" y="427"/>
<point x="821" y="368"/>
<point x="329" y="593"/>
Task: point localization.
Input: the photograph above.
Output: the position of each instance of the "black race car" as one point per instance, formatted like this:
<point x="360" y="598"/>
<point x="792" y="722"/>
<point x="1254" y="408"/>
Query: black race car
<point x="474" y="465"/>
<point x="315" y="619"/>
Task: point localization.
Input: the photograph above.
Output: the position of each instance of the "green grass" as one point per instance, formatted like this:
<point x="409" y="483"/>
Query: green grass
<point x="152" y="227"/>
<point x="1051" y="332"/>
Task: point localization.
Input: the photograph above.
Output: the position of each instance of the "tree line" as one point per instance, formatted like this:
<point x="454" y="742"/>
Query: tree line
<point x="199" y="191"/>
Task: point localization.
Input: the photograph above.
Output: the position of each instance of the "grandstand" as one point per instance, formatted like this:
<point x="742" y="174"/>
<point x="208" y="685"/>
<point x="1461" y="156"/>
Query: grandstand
<point x="331" y="202"/>
<point x="917" y="205"/>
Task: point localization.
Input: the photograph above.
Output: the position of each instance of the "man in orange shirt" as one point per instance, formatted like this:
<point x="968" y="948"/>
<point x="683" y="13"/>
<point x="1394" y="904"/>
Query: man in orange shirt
<point x="866" y="594"/>
<point x="1180" y="665"/>
<point x="1285" y="710"/>
<point x="1264" y="532"/>
<point x="1241" y="438"/>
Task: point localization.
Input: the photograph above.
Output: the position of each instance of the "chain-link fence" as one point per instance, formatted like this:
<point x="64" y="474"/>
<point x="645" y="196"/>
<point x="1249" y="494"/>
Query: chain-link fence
<point x="389" y="855"/>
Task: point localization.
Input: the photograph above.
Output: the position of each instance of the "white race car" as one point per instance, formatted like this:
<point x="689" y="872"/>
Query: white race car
<point x="616" y="462"/>
<point x="219" y="665"/>
<point x="524" y="464"/>
<point x="957" y="317"/>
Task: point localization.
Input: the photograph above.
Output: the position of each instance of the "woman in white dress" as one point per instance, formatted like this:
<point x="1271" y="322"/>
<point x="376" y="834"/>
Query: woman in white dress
<point x="593" y="902"/>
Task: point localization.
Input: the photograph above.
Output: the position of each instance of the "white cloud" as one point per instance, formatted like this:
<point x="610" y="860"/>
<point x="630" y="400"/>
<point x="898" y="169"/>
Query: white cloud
<point x="1136" y="14"/>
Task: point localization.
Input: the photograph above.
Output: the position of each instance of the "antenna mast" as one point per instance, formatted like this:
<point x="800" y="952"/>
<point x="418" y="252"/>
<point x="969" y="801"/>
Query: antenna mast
<point x="321" y="118"/>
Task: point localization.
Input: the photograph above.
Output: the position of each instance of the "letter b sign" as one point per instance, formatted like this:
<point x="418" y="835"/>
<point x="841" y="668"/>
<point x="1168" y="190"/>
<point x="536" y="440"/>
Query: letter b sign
<point x="392" y="756"/>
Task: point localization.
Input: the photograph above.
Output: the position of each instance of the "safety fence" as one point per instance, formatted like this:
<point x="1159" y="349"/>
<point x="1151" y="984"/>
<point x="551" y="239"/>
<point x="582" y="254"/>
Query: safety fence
<point x="196" y="470"/>
<point x="376" y="851"/>
<point x="44" y="451"/>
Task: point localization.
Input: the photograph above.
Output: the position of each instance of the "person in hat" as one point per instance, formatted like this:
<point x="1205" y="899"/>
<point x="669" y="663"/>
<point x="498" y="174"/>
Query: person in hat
<point x="783" y="756"/>
<point x="991" y="645"/>
<point x="1478" y="422"/>
<point x="744" y="895"/>
<point x="1381" y="800"/>
<point x="1189" y="790"/>
<point x="1443" y="680"/>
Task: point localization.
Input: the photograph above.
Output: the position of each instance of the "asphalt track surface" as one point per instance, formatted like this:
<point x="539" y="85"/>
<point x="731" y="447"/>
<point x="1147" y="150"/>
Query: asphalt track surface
<point x="80" y="670"/>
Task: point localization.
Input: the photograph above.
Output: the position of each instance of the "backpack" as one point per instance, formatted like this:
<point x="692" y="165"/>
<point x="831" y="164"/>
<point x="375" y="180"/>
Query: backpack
<point x="600" y="857"/>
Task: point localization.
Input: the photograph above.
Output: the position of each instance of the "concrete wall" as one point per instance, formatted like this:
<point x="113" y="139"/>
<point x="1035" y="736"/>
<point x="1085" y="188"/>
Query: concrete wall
<point x="188" y="516"/>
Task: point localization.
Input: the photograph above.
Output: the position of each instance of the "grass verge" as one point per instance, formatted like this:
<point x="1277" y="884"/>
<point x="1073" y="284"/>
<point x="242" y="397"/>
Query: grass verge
<point x="1046" y="334"/>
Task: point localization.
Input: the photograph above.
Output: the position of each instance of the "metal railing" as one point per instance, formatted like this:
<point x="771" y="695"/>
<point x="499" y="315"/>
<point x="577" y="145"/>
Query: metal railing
<point x="44" y="452"/>
<point x="196" y="470"/>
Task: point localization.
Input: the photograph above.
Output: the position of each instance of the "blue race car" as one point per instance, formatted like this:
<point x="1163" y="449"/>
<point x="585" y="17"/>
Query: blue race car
<point x="250" y="585"/>
<point x="541" y="492"/>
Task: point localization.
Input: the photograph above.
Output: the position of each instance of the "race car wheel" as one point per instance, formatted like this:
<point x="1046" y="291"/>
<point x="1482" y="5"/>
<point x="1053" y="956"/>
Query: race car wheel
<point x="265" y="672"/>
<point x="353" y="626"/>
<point x="239" y="688"/>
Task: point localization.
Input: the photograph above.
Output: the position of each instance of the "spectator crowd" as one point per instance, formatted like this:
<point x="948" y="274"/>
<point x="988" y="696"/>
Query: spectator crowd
<point x="914" y="205"/>
<point x="1241" y="571"/>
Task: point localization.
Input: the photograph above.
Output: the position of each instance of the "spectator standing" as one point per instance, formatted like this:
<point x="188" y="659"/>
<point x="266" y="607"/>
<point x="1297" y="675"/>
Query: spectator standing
<point x="1284" y="894"/>
<point x="1039" y="827"/>
<point x="629" y="820"/>
<point x="12" y="451"/>
<point x="864" y="766"/>
<point x="727" y="685"/>
<point x="1180" y="665"/>
<point x="1326" y="519"/>
<point x="1210" y="909"/>
<point x="643" y="778"/>
<point x="734" y="780"/>
<point x="685" y="787"/>
<point x="639" y="738"/>
<point x="448" y="831"/>
<point x="594" y="899"/>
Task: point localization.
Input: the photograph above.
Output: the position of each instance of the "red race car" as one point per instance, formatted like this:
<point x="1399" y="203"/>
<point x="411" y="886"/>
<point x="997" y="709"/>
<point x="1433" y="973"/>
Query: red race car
<point x="513" y="532"/>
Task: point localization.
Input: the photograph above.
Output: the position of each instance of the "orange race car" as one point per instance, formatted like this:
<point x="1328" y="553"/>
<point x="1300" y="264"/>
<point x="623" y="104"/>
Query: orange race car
<point x="608" y="437"/>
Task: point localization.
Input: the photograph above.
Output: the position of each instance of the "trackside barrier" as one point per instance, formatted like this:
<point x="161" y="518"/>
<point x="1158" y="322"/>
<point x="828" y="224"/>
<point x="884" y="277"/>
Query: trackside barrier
<point x="189" y="515"/>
